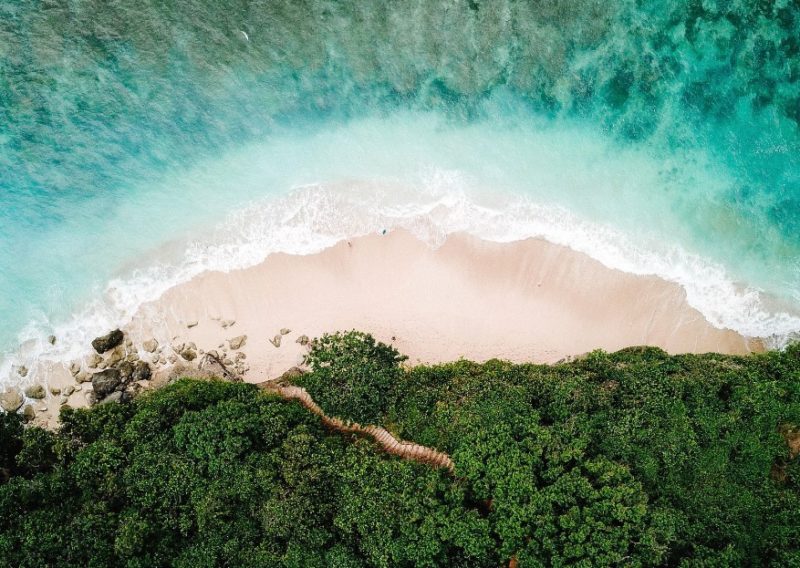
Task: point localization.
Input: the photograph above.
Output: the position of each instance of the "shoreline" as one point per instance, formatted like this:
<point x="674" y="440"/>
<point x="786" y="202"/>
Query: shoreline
<point x="524" y="301"/>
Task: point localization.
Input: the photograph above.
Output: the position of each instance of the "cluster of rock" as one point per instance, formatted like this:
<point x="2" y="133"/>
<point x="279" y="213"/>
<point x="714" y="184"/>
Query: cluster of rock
<point x="116" y="371"/>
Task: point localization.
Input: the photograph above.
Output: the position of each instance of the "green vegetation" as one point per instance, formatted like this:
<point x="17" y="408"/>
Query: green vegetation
<point x="632" y="458"/>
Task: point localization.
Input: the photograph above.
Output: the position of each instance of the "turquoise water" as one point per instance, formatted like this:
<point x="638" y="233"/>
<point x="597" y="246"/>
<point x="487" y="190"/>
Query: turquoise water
<point x="142" y="141"/>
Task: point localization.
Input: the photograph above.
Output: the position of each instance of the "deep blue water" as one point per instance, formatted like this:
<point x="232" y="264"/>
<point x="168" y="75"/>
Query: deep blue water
<point x="129" y="126"/>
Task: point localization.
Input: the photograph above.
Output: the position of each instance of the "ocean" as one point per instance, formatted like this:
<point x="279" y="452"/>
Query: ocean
<point x="143" y="142"/>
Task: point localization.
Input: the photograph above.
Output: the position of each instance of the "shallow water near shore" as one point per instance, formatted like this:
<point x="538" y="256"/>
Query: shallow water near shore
<point x="143" y="144"/>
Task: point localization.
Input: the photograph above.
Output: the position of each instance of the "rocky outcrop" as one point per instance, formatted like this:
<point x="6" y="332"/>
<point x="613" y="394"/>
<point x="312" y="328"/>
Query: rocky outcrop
<point x="141" y="371"/>
<point x="28" y="413"/>
<point x="105" y="382"/>
<point x="35" y="391"/>
<point x="108" y="342"/>
<point x="11" y="400"/>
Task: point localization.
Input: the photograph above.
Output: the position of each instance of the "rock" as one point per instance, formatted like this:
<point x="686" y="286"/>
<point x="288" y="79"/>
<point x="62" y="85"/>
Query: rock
<point x="102" y="365"/>
<point x="227" y="323"/>
<point x="302" y="340"/>
<point x="125" y="371"/>
<point x="62" y="401"/>
<point x="115" y="396"/>
<point x="132" y="358"/>
<point x="237" y="342"/>
<point x="78" y="388"/>
<point x="191" y="324"/>
<point x="141" y="372"/>
<point x="115" y="357"/>
<point x="239" y="356"/>
<point x="51" y="339"/>
<point x="107" y="342"/>
<point x="35" y="391"/>
<point x="227" y="362"/>
<point x="55" y="391"/>
<point x="91" y="398"/>
<point x="11" y="400"/>
<point x="276" y="341"/>
<point x="150" y="345"/>
<point x="189" y="354"/>
<point x="42" y="408"/>
<point x="75" y="367"/>
<point x="83" y="377"/>
<point x="68" y="390"/>
<point x="178" y="347"/>
<point x="216" y="368"/>
<point x="28" y="413"/>
<point x="22" y="370"/>
<point x="285" y="331"/>
<point x="172" y="359"/>
<point x="106" y="382"/>
<point x="93" y="360"/>
<point x="191" y="345"/>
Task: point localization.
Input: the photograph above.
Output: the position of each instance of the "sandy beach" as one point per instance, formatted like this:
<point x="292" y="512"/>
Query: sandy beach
<point x="526" y="301"/>
<point x="522" y="301"/>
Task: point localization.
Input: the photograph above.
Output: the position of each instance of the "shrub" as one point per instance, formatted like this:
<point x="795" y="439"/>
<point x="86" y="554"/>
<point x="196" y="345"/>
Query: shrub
<point x="353" y="376"/>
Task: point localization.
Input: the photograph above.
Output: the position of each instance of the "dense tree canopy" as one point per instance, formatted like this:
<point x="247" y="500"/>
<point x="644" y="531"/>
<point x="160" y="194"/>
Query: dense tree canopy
<point x="632" y="458"/>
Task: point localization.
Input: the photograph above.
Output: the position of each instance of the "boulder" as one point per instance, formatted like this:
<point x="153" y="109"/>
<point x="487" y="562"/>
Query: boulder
<point x="22" y="370"/>
<point x="216" y="368"/>
<point x="189" y="354"/>
<point x="28" y="413"/>
<point x="115" y="357"/>
<point x="55" y="391"/>
<point x="237" y="342"/>
<point x="93" y="360"/>
<point x="191" y="324"/>
<point x="51" y="339"/>
<point x="11" y="400"/>
<point x="68" y="390"/>
<point x="115" y="396"/>
<point x="276" y="341"/>
<point x="227" y="323"/>
<point x="75" y="367"/>
<point x="108" y="341"/>
<point x="125" y="370"/>
<point x="150" y="345"/>
<point x="141" y="371"/>
<point x="35" y="391"/>
<point x="83" y="377"/>
<point x="302" y="340"/>
<point x="285" y="331"/>
<point x="106" y="382"/>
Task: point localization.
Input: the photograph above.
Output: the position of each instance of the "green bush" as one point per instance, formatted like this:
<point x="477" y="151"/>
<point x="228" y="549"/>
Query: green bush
<point x="352" y="376"/>
<point x="631" y="458"/>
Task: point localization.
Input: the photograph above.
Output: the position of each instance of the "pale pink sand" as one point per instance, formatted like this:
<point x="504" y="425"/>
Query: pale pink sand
<point x="522" y="301"/>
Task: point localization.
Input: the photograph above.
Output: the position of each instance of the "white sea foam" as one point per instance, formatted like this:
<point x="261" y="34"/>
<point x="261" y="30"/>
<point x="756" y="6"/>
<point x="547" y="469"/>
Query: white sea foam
<point x="316" y="216"/>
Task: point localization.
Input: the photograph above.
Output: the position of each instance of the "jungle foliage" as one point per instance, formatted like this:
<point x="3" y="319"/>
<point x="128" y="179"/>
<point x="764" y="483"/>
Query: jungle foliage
<point x="633" y="458"/>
